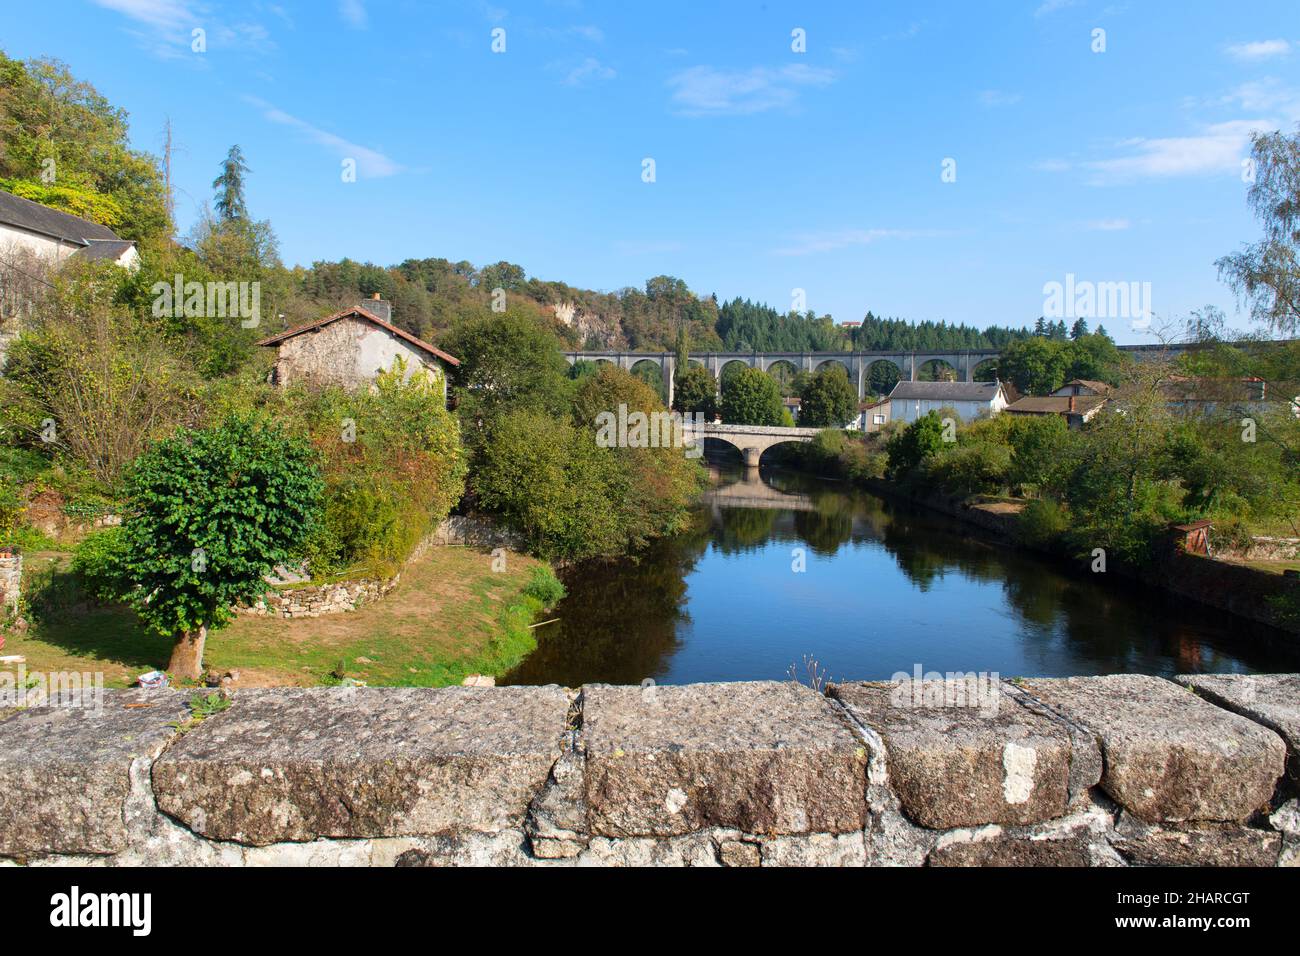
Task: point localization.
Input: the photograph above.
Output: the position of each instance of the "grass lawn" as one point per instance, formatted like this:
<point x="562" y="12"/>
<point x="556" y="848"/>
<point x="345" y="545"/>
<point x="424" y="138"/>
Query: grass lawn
<point x="450" y="616"/>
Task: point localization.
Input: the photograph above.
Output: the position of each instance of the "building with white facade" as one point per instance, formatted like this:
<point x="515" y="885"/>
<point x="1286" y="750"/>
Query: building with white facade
<point x="969" y="400"/>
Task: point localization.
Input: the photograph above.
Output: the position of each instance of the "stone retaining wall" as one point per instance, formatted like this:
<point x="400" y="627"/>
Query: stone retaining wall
<point x="1095" y="771"/>
<point x="313" y="600"/>
<point x="11" y="576"/>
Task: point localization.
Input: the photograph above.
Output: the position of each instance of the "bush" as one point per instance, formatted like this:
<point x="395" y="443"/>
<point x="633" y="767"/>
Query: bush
<point x="979" y="468"/>
<point x="543" y="586"/>
<point x="1042" y="523"/>
<point x="908" y="448"/>
<point x="393" y="469"/>
<point x="98" y="561"/>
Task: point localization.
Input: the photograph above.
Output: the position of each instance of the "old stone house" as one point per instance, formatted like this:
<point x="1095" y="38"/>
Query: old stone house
<point x="350" y="348"/>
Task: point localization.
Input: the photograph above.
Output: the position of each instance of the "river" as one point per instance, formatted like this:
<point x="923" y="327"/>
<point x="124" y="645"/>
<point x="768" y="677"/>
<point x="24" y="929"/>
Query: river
<point x="781" y="573"/>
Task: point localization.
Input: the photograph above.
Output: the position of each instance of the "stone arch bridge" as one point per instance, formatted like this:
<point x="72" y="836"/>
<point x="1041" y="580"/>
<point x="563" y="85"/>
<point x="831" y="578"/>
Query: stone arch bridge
<point x="857" y="364"/>
<point x="750" y="440"/>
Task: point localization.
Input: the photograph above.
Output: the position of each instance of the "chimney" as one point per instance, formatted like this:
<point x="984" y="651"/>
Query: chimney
<point x="379" y="308"/>
<point x="1071" y="404"/>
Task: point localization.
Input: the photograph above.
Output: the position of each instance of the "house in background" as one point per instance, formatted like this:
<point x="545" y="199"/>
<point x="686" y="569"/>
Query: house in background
<point x="56" y="237"/>
<point x="1084" y="387"/>
<point x="350" y="348"/>
<point x="970" y="400"/>
<point x="872" y="416"/>
<point x="36" y="238"/>
<point x="1075" y="409"/>
<point x="792" y="404"/>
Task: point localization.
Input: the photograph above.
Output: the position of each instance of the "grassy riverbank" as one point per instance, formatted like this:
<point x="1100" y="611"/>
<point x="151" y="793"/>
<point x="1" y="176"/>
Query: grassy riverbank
<point x="450" y="616"/>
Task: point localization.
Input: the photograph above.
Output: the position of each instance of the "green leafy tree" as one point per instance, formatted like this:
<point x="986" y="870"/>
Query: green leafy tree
<point x="829" y="399"/>
<point x="1266" y="274"/>
<point x="71" y="147"/>
<point x="749" y="397"/>
<point x="230" y="186"/>
<point x="696" y="392"/>
<point x="508" y="363"/>
<point x="909" y="448"/>
<point x="211" y="512"/>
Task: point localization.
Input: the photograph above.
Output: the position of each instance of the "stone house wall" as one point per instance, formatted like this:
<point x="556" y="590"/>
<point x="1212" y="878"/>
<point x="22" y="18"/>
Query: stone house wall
<point x="1121" y="770"/>
<point x="348" y="353"/>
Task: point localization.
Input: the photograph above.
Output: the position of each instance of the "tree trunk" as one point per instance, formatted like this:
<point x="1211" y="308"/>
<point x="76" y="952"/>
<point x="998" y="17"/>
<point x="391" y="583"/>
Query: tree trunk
<point x="187" y="655"/>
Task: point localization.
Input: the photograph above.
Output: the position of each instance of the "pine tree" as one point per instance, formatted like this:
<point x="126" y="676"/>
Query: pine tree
<point x="1079" y="329"/>
<point x="230" y="186"/>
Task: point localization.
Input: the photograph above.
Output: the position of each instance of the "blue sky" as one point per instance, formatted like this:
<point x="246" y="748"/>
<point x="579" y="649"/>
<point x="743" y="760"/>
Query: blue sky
<point x="774" y="169"/>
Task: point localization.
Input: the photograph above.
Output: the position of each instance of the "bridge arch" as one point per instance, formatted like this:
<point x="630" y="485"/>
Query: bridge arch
<point x="936" y="369"/>
<point x="820" y="364"/>
<point x="651" y="371"/>
<point x="732" y="364"/>
<point x="882" y="374"/>
<point x="783" y="371"/>
<point x="985" y="370"/>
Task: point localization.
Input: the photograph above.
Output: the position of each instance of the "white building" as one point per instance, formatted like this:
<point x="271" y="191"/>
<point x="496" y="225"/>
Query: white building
<point x="28" y="228"/>
<point x="969" y="400"/>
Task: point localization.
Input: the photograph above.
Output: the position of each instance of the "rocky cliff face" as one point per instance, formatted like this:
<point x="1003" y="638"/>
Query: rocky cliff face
<point x="590" y="329"/>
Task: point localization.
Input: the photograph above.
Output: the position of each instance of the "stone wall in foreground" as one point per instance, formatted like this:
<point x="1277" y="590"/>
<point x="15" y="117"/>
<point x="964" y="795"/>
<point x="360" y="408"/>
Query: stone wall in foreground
<point x="1098" y="771"/>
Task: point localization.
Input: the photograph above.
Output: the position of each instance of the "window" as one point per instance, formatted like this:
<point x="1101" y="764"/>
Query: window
<point x="878" y="419"/>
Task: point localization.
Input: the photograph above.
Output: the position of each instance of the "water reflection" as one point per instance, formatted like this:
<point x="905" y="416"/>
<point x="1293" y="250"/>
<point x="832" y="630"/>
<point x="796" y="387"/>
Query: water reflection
<point x="885" y="587"/>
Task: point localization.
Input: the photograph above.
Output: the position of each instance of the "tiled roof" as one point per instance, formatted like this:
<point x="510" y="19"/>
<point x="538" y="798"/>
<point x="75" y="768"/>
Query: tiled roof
<point x="1054" y="404"/>
<point x="360" y="313"/>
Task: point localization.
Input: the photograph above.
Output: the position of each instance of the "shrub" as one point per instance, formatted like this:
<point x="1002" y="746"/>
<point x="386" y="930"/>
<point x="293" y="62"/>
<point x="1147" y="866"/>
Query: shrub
<point x="970" y="469"/>
<point x="393" y="468"/>
<point x="544" y="587"/>
<point x="910" y="447"/>
<point x="1042" y="523"/>
<point x="98" y="563"/>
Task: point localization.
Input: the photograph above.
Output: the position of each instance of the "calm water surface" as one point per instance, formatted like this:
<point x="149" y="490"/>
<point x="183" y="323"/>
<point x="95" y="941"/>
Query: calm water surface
<point x="886" y="587"/>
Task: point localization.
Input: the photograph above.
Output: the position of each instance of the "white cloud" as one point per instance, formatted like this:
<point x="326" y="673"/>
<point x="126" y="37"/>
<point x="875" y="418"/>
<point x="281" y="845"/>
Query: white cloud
<point x="1219" y="148"/>
<point x="1051" y="6"/>
<point x="159" y="14"/>
<point x="353" y="13"/>
<point x="370" y="163"/>
<point x="166" y="28"/>
<point x="1109" y="225"/>
<point x="828" y="241"/>
<point x="705" y="91"/>
<point x="1259" y="49"/>
<point x="992" y="98"/>
<point x="590" y="70"/>
<point x="1052" y="165"/>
